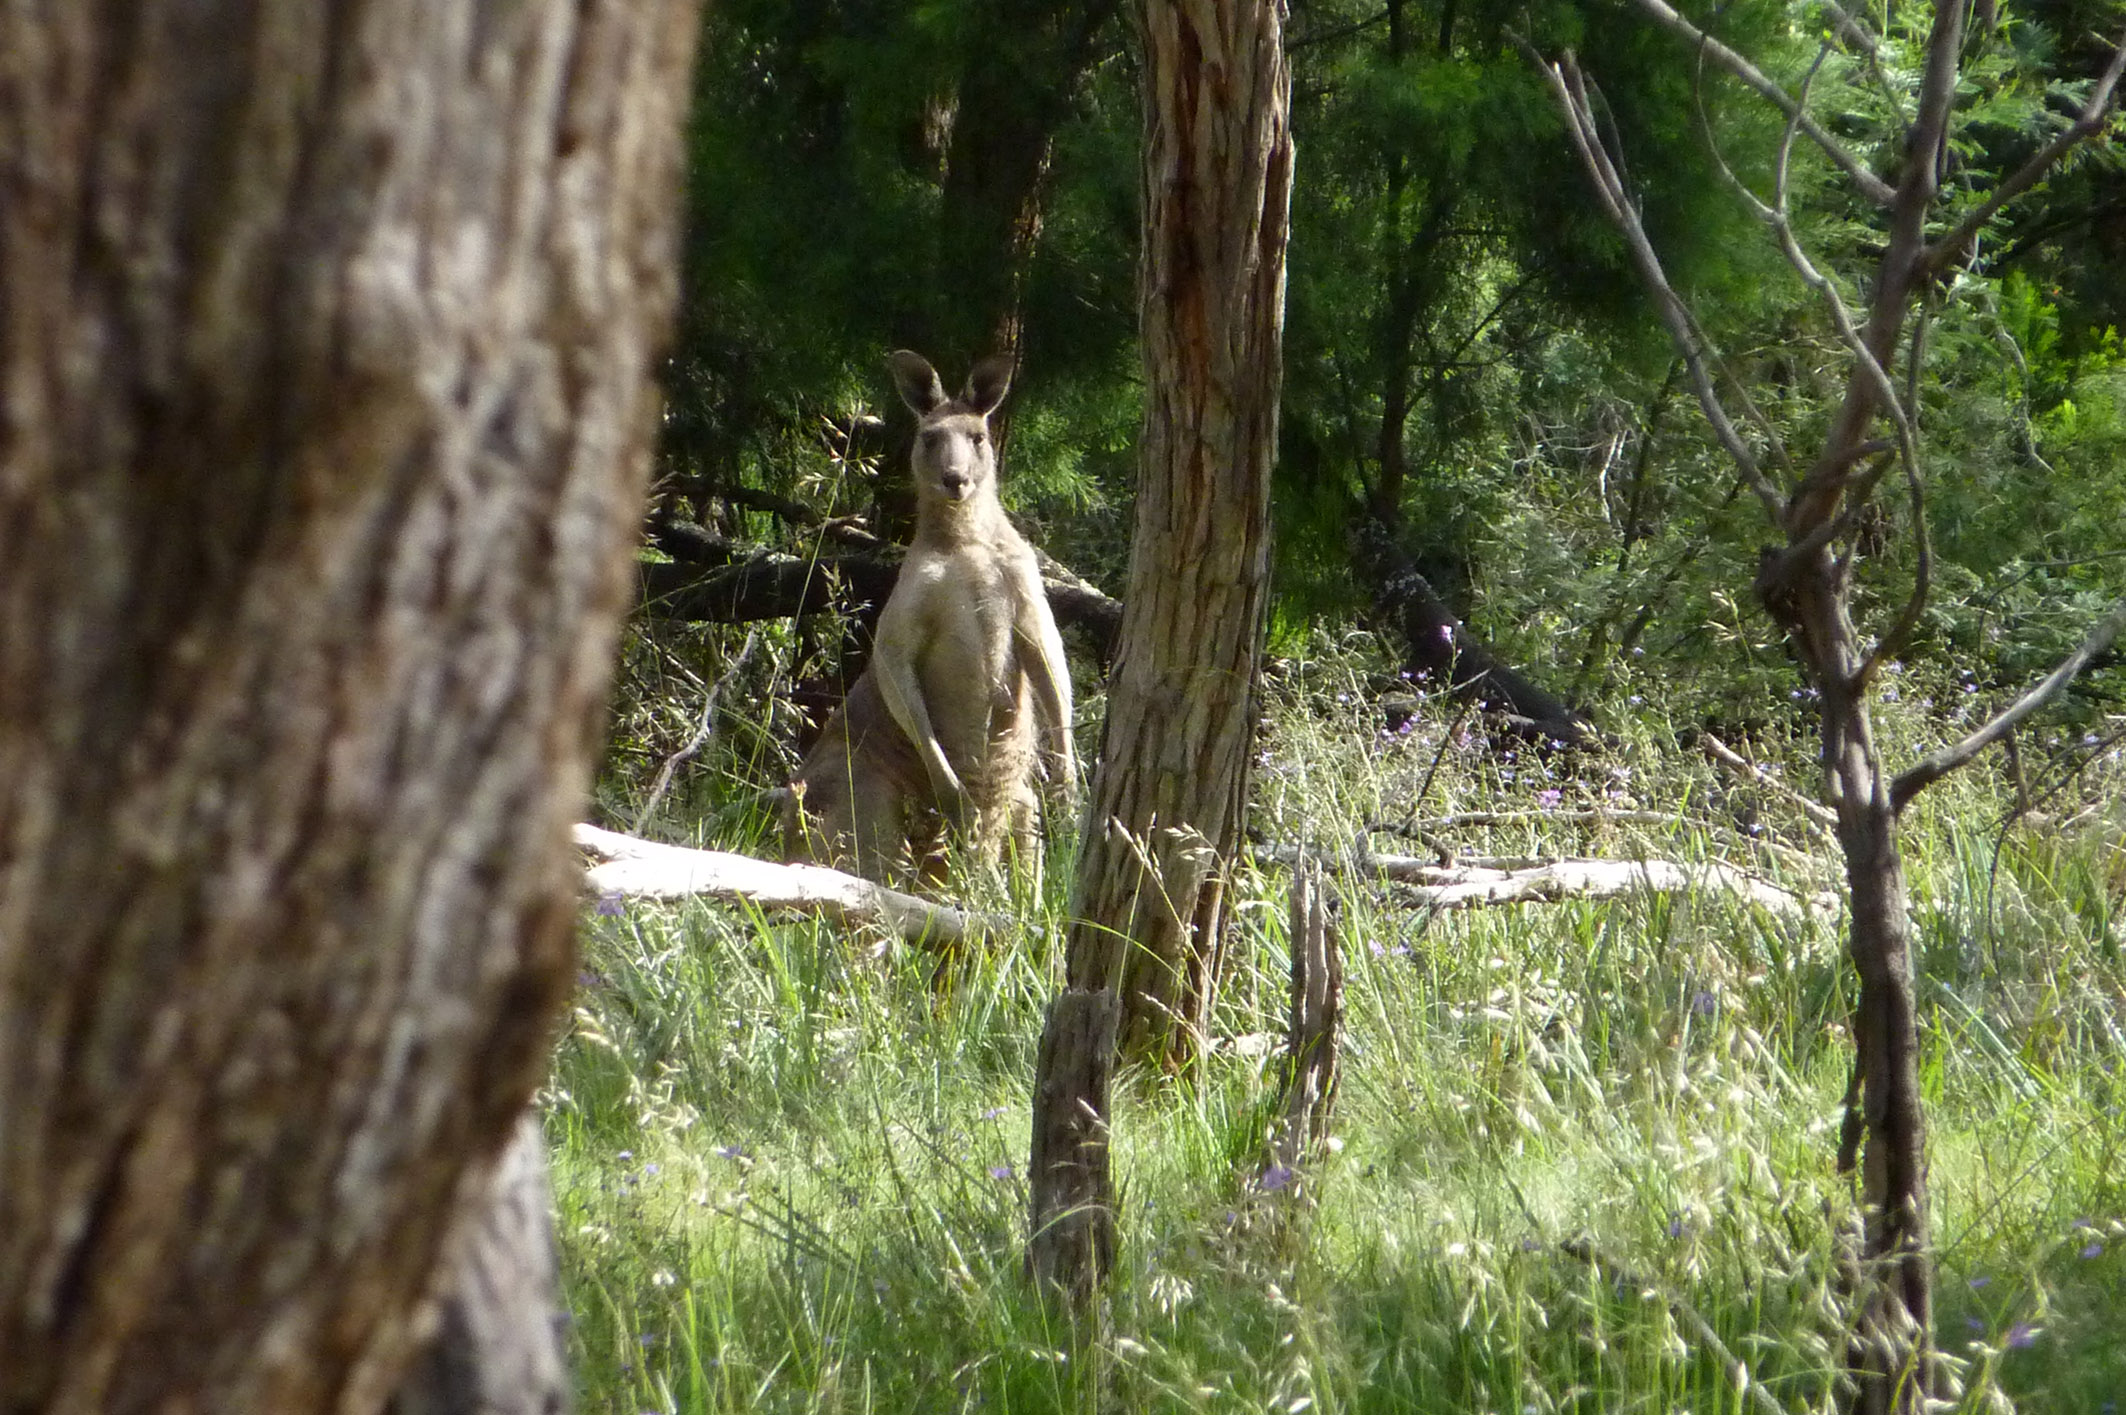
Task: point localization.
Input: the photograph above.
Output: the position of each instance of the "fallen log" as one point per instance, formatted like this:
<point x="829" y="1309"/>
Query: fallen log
<point x="714" y="580"/>
<point x="643" y="869"/>
<point x="1471" y="885"/>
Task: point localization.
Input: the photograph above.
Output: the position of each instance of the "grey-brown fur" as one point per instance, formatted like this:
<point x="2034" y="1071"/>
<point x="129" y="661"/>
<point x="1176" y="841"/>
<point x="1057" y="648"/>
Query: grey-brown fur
<point x="967" y="691"/>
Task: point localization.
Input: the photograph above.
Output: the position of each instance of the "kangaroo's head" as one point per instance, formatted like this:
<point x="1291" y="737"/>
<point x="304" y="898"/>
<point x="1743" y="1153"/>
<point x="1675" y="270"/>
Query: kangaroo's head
<point x="955" y="461"/>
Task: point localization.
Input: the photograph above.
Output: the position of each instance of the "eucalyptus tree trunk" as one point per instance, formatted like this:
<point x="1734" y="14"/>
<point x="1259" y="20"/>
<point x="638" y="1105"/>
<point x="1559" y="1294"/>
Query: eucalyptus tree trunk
<point x="1171" y="785"/>
<point x="325" y="345"/>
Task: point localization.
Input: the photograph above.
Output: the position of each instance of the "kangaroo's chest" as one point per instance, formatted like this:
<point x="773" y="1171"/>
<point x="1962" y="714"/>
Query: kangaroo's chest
<point x="972" y="604"/>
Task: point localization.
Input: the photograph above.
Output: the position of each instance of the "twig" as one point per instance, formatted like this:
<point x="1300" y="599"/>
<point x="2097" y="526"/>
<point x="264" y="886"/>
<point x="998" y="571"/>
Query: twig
<point x="1570" y="89"/>
<point x="701" y="736"/>
<point x="1726" y="756"/>
<point x="1916" y="778"/>
<point x="1871" y="186"/>
<point x="2086" y="123"/>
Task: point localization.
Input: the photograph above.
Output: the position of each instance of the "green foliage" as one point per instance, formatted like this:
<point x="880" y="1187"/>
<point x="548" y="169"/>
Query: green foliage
<point x="813" y="245"/>
<point x="790" y="1161"/>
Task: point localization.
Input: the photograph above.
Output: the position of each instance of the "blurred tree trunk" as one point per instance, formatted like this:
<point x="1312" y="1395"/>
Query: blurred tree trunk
<point x="325" y="347"/>
<point x="1170" y="790"/>
<point x="499" y="1348"/>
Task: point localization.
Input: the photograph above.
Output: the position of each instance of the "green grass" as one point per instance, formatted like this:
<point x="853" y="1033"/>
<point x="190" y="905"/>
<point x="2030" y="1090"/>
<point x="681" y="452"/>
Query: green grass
<point x="789" y="1159"/>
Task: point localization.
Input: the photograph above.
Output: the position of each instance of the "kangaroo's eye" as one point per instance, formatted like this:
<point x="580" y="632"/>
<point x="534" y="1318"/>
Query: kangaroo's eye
<point x="981" y="437"/>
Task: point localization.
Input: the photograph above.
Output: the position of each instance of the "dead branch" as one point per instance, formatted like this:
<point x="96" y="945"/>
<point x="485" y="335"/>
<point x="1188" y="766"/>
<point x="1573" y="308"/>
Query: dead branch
<point x="644" y="869"/>
<point x="1432" y="832"/>
<point x="749" y="584"/>
<point x="1570" y="88"/>
<point x="702" y="732"/>
<point x="2092" y="117"/>
<point x="1734" y="761"/>
<point x="1301" y="1132"/>
<point x="1469" y="886"/>
<point x="1870" y="185"/>
<point x="1916" y="778"/>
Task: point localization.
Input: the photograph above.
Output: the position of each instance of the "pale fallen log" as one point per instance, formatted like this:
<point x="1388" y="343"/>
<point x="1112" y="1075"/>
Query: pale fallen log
<point x="1469" y="885"/>
<point x="644" y="869"/>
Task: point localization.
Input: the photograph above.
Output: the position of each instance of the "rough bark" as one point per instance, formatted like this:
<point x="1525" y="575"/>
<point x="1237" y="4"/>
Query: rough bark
<point x="1180" y="729"/>
<point x="500" y="1346"/>
<point x="1171" y="785"/>
<point x="1073" y="1197"/>
<point x="324" y="411"/>
<point x="1316" y="1014"/>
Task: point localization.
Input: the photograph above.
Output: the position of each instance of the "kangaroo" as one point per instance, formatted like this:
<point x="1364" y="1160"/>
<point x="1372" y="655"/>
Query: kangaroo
<point x="967" y="689"/>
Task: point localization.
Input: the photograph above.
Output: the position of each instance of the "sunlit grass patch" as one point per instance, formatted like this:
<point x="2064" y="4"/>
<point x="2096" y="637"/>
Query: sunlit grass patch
<point x="1573" y="1137"/>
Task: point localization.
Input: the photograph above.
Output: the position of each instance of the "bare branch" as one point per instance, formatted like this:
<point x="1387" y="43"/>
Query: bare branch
<point x="702" y="732"/>
<point x="1914" y="779"/>
<point x="1893" y="643"/>
<point x="1850" y="29"/>
<point x="1570" y="89"/>
<point x="2092" y="118"/>
<point x="1817" y="812"/>
<point x="1874" y="188"/>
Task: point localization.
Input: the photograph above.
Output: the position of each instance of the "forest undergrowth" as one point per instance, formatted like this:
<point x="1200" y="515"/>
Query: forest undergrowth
<point x="1584" y="1155"/>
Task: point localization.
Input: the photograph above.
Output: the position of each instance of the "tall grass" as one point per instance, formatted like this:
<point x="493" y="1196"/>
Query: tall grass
<point x="1572" y="1138"/>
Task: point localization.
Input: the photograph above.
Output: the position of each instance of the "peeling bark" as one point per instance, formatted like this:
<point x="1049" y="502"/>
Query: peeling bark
<point x="1171" y="786"/>
<point x="325" y="348"/>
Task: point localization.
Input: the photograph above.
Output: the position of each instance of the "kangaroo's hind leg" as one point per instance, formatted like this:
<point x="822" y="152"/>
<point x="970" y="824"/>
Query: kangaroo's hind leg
<point x="878" y="826"/>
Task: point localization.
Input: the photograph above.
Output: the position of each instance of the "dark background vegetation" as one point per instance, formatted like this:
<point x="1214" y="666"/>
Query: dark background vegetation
<point x="1470" y="363"/>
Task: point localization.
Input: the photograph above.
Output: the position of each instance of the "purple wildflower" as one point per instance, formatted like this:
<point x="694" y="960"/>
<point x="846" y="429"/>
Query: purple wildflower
<point x="611" y="905"/>
<point x="1549" y="796"/>
<point x="1980" y="1281"/>
<point x="2020" y="1337"/>
<point x="1000" y="1172"/>
<point x="2092" y="1249"/>
<point x="1278" y="1176"/>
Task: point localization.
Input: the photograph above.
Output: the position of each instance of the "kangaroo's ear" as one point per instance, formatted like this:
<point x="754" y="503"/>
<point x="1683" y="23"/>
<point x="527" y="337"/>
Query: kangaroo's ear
<point x="919" y="384"/>
<point x="988" y="384"/>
